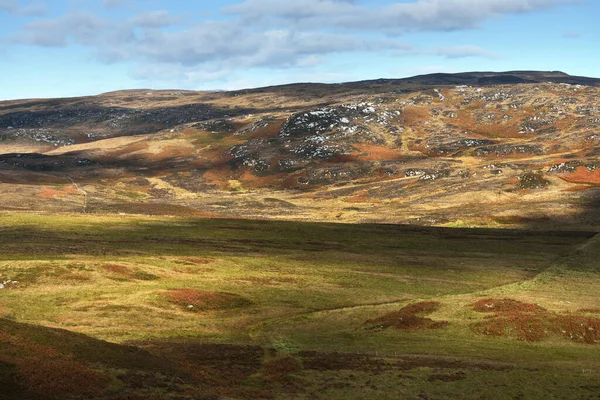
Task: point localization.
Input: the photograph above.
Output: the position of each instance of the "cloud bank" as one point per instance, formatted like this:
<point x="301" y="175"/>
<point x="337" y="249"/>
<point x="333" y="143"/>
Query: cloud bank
<point x="265" y="33"/>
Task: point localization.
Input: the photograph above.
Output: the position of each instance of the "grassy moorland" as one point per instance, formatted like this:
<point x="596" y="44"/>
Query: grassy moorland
<point x="130" y="307"/>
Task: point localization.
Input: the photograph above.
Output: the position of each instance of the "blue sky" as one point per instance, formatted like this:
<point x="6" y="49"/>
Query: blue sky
<point x="59" y="48"/>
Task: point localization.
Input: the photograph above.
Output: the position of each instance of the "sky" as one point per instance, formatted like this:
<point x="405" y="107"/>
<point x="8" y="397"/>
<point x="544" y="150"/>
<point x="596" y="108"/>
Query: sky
<point x="63" y="48"/>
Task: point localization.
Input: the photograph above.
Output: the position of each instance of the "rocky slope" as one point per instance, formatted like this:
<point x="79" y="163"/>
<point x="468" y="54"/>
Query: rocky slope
<point x="477" y="149"/>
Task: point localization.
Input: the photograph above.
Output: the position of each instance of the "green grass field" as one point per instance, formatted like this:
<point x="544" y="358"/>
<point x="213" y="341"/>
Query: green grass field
<point x="265" y="309"/>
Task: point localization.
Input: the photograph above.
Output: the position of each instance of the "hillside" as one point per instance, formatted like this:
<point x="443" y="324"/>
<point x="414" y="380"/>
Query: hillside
<point x="489" y="149"/>
<point x="180" y="245"/>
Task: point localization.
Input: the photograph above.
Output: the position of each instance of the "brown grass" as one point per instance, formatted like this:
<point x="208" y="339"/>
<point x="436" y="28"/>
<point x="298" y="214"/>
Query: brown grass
<point x="505" y="305"/>
<point x="49" y="193"/>
<point x="415" y="116"/>
<point x="47" y="372"/>
<point x="116" y="269"/>
<point x="532" y="323"/>
<point x="578" y="328"/>
<point x="362" y="199"/>
<point x="577" y="188"/>
<point x="122" y="272"/>
<point x="376" y="153"/>
<point x="170" y="152"/>
<point x="270" y="130"/>
<point x="582" y="175"/>
<point x="60" y="377"/>
<point x="132" y="148"/>
<point x="467" y="122"/>
<point x="195" y="260"/>
<point x="200" y="300"/>
<point x="281" y="366"/>
<point x="253" y="181"/>
<point x="219" y="176"/>
<point x="409" y="318"/>
<point x="223" y="369"/>
<point x="592" y="310"/>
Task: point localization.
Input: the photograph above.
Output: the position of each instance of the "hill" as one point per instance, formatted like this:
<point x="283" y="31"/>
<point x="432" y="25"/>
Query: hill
<point x="179" y="245"/>
<point x="475" y="148"/>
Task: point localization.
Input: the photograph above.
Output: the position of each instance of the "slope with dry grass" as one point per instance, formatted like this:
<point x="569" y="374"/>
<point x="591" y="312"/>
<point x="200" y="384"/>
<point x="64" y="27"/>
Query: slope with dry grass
<point x="454" y="149"/>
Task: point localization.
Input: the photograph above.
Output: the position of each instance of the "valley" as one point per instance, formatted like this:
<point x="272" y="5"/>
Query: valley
<point x="432" y="237"/>
<point x="220" y="308"/>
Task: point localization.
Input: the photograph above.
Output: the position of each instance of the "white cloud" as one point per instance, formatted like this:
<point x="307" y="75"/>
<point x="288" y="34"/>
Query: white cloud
<point x="82" y="28"/>
<point x="114" y="3"/>
<point x="396" y="18"/>
<point x="155" y="19"/>
<point x="463" y="52"/>
<point x="265" y="33"/>
<point x="14" y="8"/>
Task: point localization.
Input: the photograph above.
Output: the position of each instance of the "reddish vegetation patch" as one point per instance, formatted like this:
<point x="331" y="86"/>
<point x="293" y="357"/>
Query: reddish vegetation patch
<point x="117" y="269"/>
<point x="60" y="377"/>
<point x="219" y="176"/>
<point x="343" y="158"/>
<point x="270" y="130"/>
<point x="415" y="116"/>
<point x="583" y="175"/>
<point x="409" y="317"/>
<point x="505" y="305"/>
<point x="212" y="157"/>
<point x="376" y="153"/>
<point x="48" y="193"/>
<point x="532" y="323"/>
<point x="578" y="328"/>
<point x="200" y="300"/>
<point x="577" y="188"/>
<point x="46" y="371"/>
<point x="502" y="129"/>
<point x="254" y="181"/>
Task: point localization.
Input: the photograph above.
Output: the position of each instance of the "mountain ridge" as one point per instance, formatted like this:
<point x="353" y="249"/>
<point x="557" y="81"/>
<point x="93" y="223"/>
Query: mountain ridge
<point x="409" y="150"/>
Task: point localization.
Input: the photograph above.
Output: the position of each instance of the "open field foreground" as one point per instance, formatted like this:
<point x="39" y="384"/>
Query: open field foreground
<point x="145" y="308"/>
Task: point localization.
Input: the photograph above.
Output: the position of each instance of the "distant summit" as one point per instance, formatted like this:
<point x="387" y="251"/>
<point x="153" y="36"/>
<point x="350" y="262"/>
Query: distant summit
<point x="491" y="78"/>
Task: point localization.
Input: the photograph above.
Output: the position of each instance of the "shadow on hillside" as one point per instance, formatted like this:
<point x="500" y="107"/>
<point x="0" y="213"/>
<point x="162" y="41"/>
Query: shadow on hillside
<point x="192" y="237"/>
